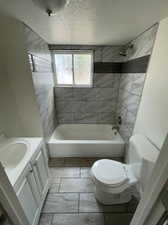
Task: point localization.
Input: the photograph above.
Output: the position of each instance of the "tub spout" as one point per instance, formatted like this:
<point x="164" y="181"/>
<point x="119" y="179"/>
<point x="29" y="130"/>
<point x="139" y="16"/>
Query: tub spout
<point x="115" y="128"/>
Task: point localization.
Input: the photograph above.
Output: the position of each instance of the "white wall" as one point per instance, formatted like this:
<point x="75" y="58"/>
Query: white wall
<point x="19" y="113"/>
<point x="152" y="118"/>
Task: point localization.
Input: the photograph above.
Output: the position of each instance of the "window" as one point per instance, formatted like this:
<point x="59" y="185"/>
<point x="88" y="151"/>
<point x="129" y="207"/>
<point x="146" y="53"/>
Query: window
<point x="73" y="68"/>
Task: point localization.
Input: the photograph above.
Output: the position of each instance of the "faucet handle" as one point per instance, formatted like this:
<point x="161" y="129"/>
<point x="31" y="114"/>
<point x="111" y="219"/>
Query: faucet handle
<point x="119" y="120"/>
<point x="115" y="128"/>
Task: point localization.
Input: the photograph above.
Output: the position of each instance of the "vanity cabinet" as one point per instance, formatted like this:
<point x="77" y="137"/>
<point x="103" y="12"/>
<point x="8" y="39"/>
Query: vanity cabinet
<point x="34" y="187"/>
<point x="28" y="199"/>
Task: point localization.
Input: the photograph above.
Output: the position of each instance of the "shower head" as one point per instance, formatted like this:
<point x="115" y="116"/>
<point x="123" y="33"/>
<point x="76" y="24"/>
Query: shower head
<point x="124" y="52"/>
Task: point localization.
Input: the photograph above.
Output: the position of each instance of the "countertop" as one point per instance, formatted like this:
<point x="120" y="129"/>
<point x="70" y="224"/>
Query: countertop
<point x="33" y="145"/>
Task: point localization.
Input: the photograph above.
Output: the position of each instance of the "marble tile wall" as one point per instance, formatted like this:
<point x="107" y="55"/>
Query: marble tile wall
<point x="91" y="105"/>
<point x="42" y="76"/>
<point x="131" y="84"/>
<point x="143" y="44"/>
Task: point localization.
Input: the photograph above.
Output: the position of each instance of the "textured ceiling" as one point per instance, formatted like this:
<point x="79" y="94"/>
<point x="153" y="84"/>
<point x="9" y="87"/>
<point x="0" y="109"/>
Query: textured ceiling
<point x="93" y="22"/>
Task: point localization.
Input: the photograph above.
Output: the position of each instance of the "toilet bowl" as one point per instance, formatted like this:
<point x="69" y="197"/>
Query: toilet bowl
<point x="115" y="181"/>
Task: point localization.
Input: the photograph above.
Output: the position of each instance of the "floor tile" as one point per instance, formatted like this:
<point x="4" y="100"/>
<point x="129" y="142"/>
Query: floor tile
<point x="61" y="203"/>
<point x="76" y="185"/>
<point x="45" y="219"/>
<point x="54" y="188"/>
<point x="80" y="206"/>
<point x="79" y="219"/>
<point x="85" y="172"/>
<point x="118" y="219"/>
<point x="65" y="172"/>
<point x="88" y="203"/>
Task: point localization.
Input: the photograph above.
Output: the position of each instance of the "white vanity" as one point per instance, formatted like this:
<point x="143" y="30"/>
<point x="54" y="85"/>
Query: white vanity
<point x="25" y="163"/>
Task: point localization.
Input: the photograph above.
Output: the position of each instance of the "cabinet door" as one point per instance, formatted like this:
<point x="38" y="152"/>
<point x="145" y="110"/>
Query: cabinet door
<point x="42" y="171"/>
<point x="28" y="201"/>
<point x="34" y="186"/>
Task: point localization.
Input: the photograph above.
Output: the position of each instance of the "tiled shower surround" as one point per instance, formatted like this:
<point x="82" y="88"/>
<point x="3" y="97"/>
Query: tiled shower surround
<point x="112" y="94"/>
<point x="42" y="76"/>
<point x="131" y="84"/>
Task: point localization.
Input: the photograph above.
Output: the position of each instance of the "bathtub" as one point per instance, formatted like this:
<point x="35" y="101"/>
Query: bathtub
<point x="85" y="140"/>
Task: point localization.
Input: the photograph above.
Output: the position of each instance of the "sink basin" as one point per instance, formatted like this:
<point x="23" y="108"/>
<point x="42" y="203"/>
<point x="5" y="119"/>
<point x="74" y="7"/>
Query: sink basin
<point x="11" y="154"/>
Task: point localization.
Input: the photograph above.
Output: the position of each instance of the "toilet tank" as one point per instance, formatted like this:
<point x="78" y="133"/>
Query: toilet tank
<point x="142" y="155"/>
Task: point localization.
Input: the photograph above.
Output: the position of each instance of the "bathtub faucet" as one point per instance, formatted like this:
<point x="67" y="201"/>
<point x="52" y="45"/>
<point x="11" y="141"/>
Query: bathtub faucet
<point x="115" y="128"/>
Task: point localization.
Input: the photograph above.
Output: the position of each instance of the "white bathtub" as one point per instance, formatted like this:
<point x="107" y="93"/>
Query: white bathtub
<point x="85" y="140"/>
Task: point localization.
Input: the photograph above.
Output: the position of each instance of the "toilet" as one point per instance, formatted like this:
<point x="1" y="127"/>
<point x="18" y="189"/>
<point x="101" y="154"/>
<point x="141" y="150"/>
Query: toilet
<point x="115" y="182"/>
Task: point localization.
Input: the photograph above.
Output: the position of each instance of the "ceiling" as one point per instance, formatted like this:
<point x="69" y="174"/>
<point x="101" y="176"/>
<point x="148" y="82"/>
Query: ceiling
<point x="91" y="22"/>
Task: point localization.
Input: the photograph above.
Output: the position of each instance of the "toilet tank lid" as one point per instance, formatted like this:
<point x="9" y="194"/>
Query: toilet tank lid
<point x="144" y="147"/>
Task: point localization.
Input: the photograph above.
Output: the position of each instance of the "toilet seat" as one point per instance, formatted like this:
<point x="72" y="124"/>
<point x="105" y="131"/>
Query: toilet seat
<point x="113" y="181"/>
<point x="110" y="173"/>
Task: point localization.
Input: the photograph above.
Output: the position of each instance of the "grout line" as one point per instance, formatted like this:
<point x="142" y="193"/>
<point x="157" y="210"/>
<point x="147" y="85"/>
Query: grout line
<point x="59" y="185"/>
<point x="104" y="218"/>
<point x="59" y="192"/>
<point x="52" y="219"/>
<point x="78" y="202"/>
<point x="84" y="178"/>
<point x="80" y="172"/>
<point x="86" y="213"/>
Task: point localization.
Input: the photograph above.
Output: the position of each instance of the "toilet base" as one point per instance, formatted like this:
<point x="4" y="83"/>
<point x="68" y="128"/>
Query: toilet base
<point x="113" y="199"/>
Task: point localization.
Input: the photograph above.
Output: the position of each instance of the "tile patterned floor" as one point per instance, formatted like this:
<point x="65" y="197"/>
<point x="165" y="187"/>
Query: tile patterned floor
<point x="71" y="200"/>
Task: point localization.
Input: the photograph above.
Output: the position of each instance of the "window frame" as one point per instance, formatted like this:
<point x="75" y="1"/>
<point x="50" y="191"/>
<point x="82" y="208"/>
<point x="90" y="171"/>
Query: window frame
<point x="72" y="52"/>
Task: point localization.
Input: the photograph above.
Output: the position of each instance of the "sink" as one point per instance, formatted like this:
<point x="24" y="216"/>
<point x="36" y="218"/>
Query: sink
<point x="11" y="154"/>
